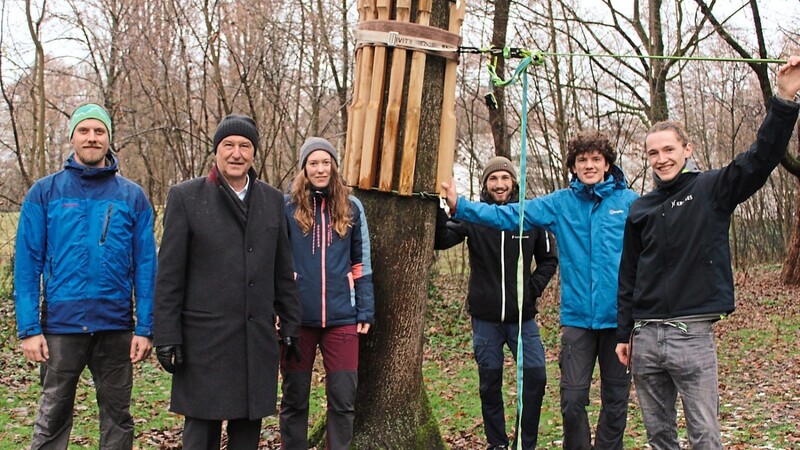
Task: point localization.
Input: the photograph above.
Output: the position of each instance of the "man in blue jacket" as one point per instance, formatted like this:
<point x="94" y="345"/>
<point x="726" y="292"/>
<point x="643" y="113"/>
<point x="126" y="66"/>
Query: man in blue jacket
<point x="675" y="278"/>
<point x="86" y="234"/>
<point x="587" y="218"/>
<point x="492" y="303"/>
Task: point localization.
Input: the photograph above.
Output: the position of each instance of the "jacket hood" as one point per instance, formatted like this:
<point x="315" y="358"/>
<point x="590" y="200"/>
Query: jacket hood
<point x="111" y="167"/>
<point x="615" y="180"/>
<point x="689" y="167"/>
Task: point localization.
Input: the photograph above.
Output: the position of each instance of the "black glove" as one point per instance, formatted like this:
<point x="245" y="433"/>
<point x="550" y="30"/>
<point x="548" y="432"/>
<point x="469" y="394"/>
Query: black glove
<point x="292" y="350"/>
<point x="170" y="357"/>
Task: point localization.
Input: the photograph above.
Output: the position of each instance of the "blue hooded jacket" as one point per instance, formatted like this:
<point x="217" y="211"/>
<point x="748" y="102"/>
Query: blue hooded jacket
<point x="334" y="274"/>
<point x="588" y="222"/>
<point x="87" y="236"/>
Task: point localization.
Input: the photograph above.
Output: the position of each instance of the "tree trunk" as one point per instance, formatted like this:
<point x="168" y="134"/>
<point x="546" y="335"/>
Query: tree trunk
<point x="38" y="155"/>
<point x="497" y="117"/>
<point x="658" y="69"/>
<point x="392" y="408"/>
<point x="790" y="275"/>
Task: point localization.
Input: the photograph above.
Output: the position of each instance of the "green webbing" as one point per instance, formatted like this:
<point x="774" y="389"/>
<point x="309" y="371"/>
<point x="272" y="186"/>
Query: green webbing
<point x="538" y="56"/>
<point x="667" y="57"/>
<point x="520" y="260"/>
<point x="520" y="72"/>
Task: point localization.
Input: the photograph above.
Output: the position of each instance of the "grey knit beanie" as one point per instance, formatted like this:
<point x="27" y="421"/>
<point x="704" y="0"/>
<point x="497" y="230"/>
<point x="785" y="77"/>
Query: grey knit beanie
<point x="236" y="125"/>
<point x="316" y="143"/>
<point x="496" y="164"/>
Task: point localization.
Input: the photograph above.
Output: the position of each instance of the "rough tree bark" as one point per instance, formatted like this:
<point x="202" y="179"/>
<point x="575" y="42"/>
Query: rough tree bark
<point x="392" y="406"/>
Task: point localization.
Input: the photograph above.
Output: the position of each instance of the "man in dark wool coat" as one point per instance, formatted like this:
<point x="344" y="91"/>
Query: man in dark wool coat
<point x="224" y="284"/>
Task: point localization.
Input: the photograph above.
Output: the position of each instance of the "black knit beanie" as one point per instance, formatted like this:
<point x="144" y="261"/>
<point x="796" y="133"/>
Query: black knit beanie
<point x="236" y="125"/>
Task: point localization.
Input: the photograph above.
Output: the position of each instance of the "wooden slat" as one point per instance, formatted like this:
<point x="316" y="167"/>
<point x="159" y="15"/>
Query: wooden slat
<point x="447" y="132"/>
<point x="372" y="120"/>
<point x="364" y="79"/>
<point x="393" y="105"/>
<point x="348" y="152"/>
<point x="415" y="84"/>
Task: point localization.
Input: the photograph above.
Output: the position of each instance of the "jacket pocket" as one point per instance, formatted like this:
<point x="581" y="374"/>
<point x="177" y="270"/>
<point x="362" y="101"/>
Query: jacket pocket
<point x="106" y="223"/>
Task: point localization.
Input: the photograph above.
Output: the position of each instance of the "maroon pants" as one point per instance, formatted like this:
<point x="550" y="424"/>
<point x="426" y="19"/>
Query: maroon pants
<point x="339" y="349"/>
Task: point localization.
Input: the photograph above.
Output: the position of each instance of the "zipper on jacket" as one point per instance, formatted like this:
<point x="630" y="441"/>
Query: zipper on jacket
<point x="661" y="220"/>
<point x="323" y="240"/>
<point x="106" y="223"/>
<point x="547" y="242"/>
<point x="502" y="276"/>
<point x="593" y="312"/>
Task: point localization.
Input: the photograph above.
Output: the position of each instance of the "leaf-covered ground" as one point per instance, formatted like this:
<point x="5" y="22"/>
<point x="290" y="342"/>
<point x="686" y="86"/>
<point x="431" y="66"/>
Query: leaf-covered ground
<point x="758" y="352"/>
<point x="759" y="358"/>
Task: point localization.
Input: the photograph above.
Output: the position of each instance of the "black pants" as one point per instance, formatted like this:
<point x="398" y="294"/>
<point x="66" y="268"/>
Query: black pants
<point x="201" y="434"/>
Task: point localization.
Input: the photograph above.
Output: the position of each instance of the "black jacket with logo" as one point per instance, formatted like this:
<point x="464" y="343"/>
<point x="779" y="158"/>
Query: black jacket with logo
<point x="676" y="256"/>
<point x="490" y="252"/>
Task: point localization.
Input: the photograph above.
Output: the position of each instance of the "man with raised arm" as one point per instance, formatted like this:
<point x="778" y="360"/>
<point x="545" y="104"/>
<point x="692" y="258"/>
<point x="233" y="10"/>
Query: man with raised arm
<point x="675" y="277"/>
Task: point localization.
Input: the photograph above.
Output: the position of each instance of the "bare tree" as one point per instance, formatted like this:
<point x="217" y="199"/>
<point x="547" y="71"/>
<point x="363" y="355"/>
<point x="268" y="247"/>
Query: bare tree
<point x="791" y="265"/>
<point x="37" y="92"/>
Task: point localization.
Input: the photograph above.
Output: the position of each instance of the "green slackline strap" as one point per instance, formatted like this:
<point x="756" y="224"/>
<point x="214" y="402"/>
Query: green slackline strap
<point x="529" y="58"/>
<point x="538" y="55"/>
<point x="667" y="57"/>
<point x="520" y="259"/>
<point x="520" y="73"/>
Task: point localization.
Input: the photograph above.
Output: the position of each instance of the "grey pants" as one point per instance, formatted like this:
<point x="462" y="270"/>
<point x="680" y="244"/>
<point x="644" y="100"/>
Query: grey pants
<point x="107" y="354"/>
<point x="580" y="348"/>
<point x="668" y="360"/>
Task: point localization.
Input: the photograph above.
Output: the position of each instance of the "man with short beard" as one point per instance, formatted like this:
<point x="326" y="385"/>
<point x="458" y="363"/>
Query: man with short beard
<point x="85" y="236"/>
<point x="492" y="302"/>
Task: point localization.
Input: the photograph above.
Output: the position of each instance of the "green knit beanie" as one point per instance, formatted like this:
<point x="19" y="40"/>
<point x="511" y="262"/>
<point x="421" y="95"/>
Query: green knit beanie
<point x="89" y="111"/>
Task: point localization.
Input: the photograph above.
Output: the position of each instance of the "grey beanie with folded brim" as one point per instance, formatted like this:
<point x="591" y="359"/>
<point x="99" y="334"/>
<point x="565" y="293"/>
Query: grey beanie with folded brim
<point x="496" y="164"/>
<point x="313" y="144"/>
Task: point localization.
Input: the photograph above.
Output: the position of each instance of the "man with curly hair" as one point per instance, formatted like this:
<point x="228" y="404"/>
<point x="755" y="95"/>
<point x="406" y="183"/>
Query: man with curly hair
<point x="587" y="218"/>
